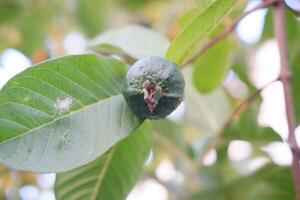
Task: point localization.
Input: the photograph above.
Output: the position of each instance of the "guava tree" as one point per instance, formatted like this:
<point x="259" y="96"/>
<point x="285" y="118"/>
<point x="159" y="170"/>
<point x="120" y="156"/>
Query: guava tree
<point x="89" y="118"/>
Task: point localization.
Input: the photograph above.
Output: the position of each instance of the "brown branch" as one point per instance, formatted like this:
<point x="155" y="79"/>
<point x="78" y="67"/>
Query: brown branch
<point x="237" y="112"/>
<point x="285" y="78"/>
<point x="242" y="107"/>
<point x="230" y="29"/>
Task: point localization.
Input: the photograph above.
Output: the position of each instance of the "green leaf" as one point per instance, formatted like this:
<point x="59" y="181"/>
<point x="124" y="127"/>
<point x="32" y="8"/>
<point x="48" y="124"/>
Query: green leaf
<point x="211" y="68"/>
<point x="185" y="19"/>
<point x="296" y="85"/>
<point x="203" y="3"/>
<point x="8" y="10"/>
<point x="197" y="29"/>
<point x="63" y="113"/>
<point x="268" y="31"/>
<point x="135" y="41"/>
<point x="25" y="24"/>
<point x="118" y="169"/>
<point x="91" y="15"/>
<point x="38" y="21"/>
<point x="136" y="5"/>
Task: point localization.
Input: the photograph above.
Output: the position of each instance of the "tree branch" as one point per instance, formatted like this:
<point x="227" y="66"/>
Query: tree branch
<point x="285" y="78"/>
<point x="242" y="107"/>
<point x="230" y="29"/>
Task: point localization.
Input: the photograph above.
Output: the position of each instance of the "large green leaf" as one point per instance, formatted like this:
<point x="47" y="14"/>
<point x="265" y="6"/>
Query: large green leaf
<point x="63" y="113"/>
<point x="135" y="41"/>
<point x="212" y="67"/>
<point x="118" y="169"/>
<point x="197" y="29"/>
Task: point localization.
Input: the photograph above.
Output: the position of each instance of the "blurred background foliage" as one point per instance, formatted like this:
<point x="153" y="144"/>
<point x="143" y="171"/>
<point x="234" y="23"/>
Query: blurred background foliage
<point x="194" y="155"/>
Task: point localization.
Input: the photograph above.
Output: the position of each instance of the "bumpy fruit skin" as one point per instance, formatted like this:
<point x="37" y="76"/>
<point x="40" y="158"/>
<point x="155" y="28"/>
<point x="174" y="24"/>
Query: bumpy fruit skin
<point x="153" y="87"/>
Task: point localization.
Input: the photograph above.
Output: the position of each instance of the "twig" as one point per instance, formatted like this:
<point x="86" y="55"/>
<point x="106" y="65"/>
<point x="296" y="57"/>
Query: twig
<point x="228" y="31"/>
<point x="285" y="78"/>
<point x="237" y="112"/>
<point x="241" y="108"/>
<point x="244" y="105"/>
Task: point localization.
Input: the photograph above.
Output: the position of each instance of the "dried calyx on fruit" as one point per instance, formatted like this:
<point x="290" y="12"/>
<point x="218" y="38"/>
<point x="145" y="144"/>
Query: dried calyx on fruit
<point x="153" y="87"/>
<point x="152" y="93"/>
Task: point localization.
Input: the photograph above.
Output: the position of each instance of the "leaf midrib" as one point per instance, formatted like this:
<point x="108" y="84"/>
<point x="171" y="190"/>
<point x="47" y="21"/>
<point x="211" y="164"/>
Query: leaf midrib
<point x="59" y="118"/>
<point x="102" y="173"/>
<point x="184" y="30"/>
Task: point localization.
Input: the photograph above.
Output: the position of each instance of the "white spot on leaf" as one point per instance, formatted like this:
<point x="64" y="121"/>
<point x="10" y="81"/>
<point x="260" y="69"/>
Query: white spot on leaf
<point x="63" y="105"/>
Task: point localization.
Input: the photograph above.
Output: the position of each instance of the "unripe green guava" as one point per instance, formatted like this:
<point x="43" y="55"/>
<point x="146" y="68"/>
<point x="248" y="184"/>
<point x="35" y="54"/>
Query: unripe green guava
<point x="153" y="87"/>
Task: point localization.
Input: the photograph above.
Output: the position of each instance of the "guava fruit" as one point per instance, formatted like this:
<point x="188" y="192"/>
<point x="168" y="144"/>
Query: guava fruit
<point x="153" y="87"/>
